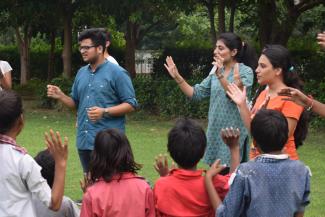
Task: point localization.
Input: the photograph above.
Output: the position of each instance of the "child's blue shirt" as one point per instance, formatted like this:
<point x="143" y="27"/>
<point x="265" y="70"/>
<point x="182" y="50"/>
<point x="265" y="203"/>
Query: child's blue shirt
<point x="269" y="185"/>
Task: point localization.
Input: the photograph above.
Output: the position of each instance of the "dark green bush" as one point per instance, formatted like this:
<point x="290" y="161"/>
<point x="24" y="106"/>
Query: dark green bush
<point x="317" y="90"/>
<point x="35" y="87"/>
<point x="64" y="84"/>
<point x="163" y="97"/>
<point x="190" y="62"/>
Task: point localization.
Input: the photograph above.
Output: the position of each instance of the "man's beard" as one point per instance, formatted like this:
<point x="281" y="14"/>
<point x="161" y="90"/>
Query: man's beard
<point x="93" y="60"/>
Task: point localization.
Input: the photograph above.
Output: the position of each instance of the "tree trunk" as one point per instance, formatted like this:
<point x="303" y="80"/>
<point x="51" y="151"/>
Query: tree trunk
<point x="282" y="34"/>
<point x="213" y="33"/>
<point x="51" y="60"/>
<point x="131" y="42"/>
<point x="221" y="16"/>
<point x="67" y="41"/>
<point x="267" y="16"/>
<point x="232" y="15"/>
<point x="23" y="45"/>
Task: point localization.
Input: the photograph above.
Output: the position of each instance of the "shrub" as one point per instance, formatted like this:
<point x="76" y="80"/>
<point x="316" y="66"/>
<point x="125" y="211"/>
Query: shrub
<point x="190" y="62"/>
<point x="35" y="87"/>
<point x="64" y="84"/>
<point x="163" y="97"/>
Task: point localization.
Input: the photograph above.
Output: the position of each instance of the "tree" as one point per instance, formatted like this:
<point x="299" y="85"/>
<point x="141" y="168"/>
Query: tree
<point x="277" y="19"/>
<point x="233" y="5"/>
<point x="137" y="18"/>
<point x="22" y="16"/>
<point x="50" y="24"/>
<point x="210" y="6"/>
<point x="67" y="9"/>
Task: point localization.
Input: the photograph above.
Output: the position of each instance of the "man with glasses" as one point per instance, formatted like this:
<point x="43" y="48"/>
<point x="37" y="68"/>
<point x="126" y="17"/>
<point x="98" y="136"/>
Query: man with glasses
<point x="102" y="93"/>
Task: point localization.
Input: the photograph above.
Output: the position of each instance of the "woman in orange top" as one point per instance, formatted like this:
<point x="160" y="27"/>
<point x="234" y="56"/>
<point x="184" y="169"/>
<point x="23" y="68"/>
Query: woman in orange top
<point x="275" y="71"/>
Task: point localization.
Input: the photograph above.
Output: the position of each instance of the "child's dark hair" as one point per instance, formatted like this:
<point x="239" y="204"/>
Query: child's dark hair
<point x="245" y="53"/>
<point x="112" y="155"/>
<point x="186" y="143"/>
<point x="279" y="57"/>
<point x="10" y="110"/>
<point x="269" y="129"/>
<point x="46" y="161"/>
<point x="95" y="35"/>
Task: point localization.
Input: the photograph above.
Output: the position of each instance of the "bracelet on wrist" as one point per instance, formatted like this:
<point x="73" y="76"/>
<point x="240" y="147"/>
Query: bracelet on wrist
<point x="179" y="82"/>
<point x="219" y="76"/>
<point x="311" y="103"/>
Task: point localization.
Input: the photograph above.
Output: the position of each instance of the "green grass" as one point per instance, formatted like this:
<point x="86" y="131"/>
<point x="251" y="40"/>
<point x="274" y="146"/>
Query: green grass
<point x="148" y="137"/>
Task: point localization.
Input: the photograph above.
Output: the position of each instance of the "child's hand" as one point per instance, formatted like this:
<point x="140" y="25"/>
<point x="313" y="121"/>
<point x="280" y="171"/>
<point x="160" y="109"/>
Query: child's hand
<point x="85" y="182"/>
<point x="230" y="137"/>
<point x="161" y="165"/>
<point x="215" y="169"/>
<point x="58" y="149"/>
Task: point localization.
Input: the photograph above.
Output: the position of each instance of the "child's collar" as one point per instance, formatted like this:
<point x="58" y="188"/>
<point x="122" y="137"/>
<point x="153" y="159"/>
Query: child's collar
<point x="7" y="140"/>
<point x="275" y="156"/>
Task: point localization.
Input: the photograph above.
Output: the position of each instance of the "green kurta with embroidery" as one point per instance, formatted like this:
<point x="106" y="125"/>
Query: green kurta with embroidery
<point x="222" y="113"/>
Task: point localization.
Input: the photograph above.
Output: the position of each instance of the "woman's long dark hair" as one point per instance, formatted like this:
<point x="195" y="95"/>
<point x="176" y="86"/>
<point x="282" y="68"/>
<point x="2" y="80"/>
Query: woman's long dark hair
<point x="245" y="53"/>
<point x="279" y="57"/>
<point x="112" y="155"/>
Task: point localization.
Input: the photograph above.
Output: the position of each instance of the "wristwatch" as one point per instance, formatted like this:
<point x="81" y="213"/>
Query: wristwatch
<point x="106" y="113"/>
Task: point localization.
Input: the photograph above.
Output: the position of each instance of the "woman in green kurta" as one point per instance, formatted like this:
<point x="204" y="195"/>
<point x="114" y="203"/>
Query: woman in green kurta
<point x="230" y="66"/>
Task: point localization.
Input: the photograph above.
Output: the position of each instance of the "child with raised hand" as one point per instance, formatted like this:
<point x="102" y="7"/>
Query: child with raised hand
<point x="20" y="176"/>
<point x="181" y="191"/>
<point x="68" y="207"/>
<point x="270" y="184"/>
<point x="116" y="189"/>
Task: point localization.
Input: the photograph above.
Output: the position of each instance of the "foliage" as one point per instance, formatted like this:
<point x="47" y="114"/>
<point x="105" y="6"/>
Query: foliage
<point x="35" y="87"/>
<point x="190" y="62"/>
<point x="317" y="90"/>
<point x="163" y="97"/>
<point x="39" y="59"/>
<point x="188" y="30"/>
<point x="62" y="82"/>
<point x="309" y="23"/>
<point x="85" y="17"/>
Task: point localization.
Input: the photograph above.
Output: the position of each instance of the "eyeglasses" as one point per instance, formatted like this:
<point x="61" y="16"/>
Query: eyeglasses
<point x="86" y="48"/>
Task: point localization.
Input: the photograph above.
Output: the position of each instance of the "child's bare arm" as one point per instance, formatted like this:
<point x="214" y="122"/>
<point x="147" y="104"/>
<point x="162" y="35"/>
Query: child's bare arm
<point x="213" y="194"/>
<point x="59" y="151"/>
<point x="230" y="137"/>
<point x="299" y="214"/>
<point x="85" y="183"/>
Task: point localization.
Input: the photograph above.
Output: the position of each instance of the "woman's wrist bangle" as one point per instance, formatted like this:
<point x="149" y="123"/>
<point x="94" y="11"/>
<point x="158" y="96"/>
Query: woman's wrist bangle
<point x="311" y="103"/>
<point x="179" y="79"/>
<point x="219" y="76"/>
<point x="179" y="82"/>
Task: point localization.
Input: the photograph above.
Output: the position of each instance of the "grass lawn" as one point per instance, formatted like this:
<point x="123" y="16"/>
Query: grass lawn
<point x="148" y="136"/>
